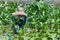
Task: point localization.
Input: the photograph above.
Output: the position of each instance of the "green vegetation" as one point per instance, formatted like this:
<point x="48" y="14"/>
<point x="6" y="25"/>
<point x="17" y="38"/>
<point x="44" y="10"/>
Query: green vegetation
<point x="43" y="21"/>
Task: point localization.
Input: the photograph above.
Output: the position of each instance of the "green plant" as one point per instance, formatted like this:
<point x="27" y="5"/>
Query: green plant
<point x="43" y="21"/>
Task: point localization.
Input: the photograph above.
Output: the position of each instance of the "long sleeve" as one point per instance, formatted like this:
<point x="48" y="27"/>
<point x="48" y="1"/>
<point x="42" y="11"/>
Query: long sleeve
<point x="24" y="20"/>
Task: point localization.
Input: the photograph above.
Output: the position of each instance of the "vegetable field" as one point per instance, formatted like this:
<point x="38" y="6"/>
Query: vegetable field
<point x="43" y="21"/>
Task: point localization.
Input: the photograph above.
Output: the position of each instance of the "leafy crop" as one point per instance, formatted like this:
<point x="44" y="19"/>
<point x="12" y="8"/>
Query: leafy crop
<point x="6" y="10"/>
<point x="43" y="20"/>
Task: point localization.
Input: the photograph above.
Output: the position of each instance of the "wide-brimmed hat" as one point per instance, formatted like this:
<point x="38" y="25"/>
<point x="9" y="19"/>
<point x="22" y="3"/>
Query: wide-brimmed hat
<point x="19" y="12"/>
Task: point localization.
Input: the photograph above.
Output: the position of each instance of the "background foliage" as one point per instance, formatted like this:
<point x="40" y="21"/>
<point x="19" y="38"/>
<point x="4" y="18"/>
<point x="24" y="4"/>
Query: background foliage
<point x="43" y="21"/>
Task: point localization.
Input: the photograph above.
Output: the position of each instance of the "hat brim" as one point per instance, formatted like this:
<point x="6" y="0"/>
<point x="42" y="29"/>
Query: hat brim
<point x="19" y="14"/>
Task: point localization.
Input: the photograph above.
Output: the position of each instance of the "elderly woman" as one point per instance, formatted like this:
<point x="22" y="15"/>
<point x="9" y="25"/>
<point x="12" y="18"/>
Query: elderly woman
<point x="21" y="17"/>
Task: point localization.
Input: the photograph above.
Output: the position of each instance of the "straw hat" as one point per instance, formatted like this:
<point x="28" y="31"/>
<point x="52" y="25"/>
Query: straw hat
<point x="19" y="12"/>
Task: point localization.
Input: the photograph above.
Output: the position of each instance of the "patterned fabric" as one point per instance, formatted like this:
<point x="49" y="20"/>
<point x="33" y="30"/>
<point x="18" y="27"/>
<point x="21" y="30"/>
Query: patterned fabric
<point x="21" y="22"/>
